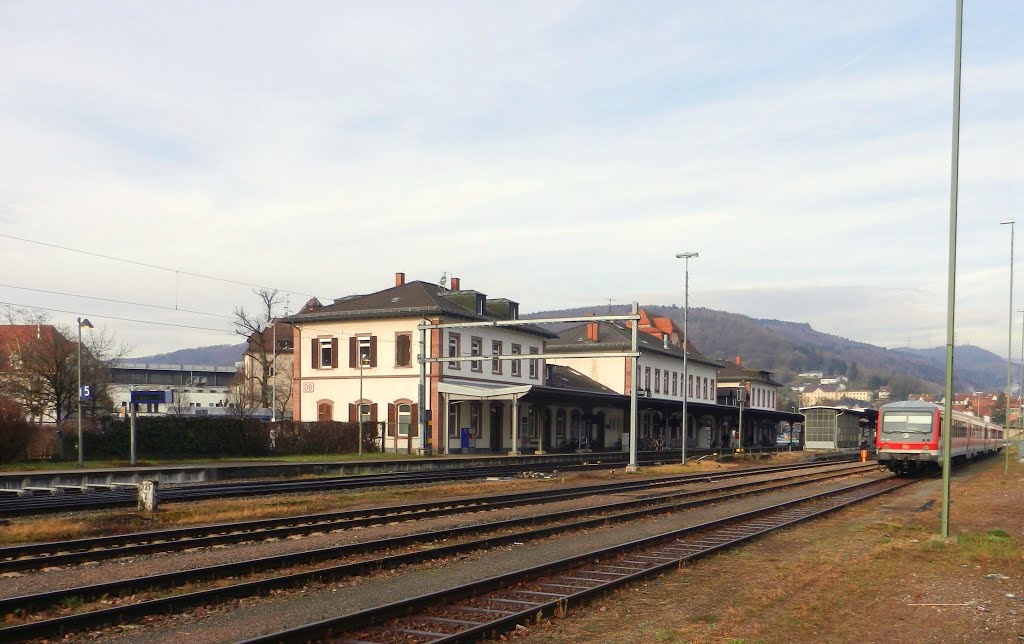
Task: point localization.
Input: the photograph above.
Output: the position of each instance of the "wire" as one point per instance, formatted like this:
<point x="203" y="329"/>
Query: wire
<point x="112" y="317"/>
<point x="105" y="299"/>
<point x="162" y="268"/>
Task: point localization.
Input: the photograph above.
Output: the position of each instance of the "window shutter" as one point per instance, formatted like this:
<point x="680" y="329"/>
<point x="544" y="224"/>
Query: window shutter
<point x="334" y="353"/>
<point x="392" y="419"/>
<point x="373" y="412"/>
<point x="353" y="413"/>
<point x="315" y="351"/>
<point x="414" y="425"/>
<point x="353" y="352"/>
<point x="373" y="351"/>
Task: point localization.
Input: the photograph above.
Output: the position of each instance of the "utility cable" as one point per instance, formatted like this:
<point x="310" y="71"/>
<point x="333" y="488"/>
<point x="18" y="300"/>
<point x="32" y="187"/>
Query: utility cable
<point x="112" y="317"/>
<point x="162" y="268"/>
<point x="105" y="299"/>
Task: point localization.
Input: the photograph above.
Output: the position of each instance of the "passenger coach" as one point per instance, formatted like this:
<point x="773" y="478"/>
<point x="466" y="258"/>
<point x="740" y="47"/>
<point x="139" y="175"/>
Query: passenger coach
<point x="910" y="436"/>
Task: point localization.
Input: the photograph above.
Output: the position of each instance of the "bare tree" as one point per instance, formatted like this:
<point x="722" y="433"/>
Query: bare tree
<point x="257" y="328"/>
<point x="41" y="370"/>
<point x="182" y="401"/>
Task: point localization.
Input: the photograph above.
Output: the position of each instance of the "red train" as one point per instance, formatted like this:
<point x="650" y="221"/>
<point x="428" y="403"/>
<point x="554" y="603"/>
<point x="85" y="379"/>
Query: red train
<point x="909" y="436"/>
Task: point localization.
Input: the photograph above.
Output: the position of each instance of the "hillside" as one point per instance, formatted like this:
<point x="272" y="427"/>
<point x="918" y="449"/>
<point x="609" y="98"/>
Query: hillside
<point x="789" y="348"/>
<point x="221" y="355"/>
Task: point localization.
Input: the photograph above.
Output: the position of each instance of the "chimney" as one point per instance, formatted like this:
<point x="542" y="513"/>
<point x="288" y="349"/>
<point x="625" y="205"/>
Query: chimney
<point x="455" y="284"/>
<point x="739" y="362"/>
<point x="399" y="279"/>
<point x="592" y="334"/>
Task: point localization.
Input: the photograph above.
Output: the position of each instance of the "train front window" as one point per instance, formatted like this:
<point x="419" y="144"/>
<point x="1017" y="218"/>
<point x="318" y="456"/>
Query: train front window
<point x="899" y="423"/>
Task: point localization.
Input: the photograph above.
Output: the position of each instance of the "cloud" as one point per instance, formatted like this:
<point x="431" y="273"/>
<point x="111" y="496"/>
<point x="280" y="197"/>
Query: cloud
<point x="546" y="151"/>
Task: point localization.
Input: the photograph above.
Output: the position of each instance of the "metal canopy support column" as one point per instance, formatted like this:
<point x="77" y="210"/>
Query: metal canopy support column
<point x="634" y="436"/>
<point x="515" y="426"/>
<point x="421" y="397"/>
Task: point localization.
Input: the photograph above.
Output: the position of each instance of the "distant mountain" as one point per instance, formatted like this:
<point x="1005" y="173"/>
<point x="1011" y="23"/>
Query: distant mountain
<point x="790" y="348"/>
<point x="982" y="365"/>
<point x="220" y="355"/>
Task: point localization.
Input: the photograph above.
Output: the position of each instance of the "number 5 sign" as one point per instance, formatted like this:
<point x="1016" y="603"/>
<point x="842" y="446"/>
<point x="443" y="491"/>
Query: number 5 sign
<point x="85" y="392"/>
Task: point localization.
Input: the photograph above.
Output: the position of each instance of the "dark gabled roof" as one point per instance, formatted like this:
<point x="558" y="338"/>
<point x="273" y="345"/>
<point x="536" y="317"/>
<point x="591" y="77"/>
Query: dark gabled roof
<point x="561" y="377"/>
<point x="413" y="299"/>
<point x="615" y="337"/>
<point x="728" y="370"/>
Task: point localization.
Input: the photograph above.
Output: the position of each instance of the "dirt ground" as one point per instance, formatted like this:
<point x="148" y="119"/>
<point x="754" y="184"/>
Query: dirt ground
<point x="877" y="572"/>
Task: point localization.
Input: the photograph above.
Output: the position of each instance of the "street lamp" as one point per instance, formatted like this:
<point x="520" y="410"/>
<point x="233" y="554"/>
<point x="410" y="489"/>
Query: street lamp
<point x="1009" y="353"/>
<point x="83" y="323"/>
<point x="686" y="338"/>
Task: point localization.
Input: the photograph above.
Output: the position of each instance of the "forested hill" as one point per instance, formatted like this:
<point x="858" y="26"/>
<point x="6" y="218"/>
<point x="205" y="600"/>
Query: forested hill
<point x="221" y="355"/>
<point x="789" y="348"/>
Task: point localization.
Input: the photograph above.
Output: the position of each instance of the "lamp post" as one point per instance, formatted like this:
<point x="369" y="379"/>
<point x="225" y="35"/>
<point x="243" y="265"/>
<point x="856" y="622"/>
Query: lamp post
<point x="1009" y="353"/>
<point x="686" y="339"/>
<point x="83" y="323"/>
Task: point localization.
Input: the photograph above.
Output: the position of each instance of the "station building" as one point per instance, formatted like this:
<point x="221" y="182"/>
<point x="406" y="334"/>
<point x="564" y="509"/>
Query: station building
<point x="355" y="359"/>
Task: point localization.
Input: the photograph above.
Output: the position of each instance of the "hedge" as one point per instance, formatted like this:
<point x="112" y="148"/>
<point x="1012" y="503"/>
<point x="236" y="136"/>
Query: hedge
<point x="219" y="437"/>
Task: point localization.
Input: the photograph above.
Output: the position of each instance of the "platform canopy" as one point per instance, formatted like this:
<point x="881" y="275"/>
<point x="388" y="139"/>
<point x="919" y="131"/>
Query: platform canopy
<point x="482" y="391"/>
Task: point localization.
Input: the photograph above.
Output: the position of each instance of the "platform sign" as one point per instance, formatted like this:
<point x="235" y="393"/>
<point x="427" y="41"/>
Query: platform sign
<point x="85" y="393"/>
<point x="160" y="397"/>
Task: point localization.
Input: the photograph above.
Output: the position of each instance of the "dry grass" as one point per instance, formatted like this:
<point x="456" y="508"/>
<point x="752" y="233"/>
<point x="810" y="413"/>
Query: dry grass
<point x="872" y="573"/>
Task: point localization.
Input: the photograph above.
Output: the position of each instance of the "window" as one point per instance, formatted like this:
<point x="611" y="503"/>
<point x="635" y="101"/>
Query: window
<point x="326" y="353"/>
<point x="517" y="365"/>
<point x="705" y="388"/>
<point x="560" y="425"/>
<point x="404" y="419"/>
<point x="533" y="364"/>
<point x="364" y="352"/>
<point x="454" y="348"/>
<point x="324" y="411"/>
<point x="403" y="350"/>
<point x="675" y="381"/>
<point x="657" y="381"/>
<point x="496" y="350"/>
<point x="476" y="347"/>
<point x="475" y="412"/>
<point x="689" y="387"/>
<point x="453" y="420"/>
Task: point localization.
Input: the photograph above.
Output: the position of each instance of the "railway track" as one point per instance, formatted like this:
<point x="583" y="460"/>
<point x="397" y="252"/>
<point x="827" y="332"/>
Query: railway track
<point x="127" y="497"/>
<point x="492" y="606"/>
<point x="392" y="553"/>
<point x="37" y="555"/>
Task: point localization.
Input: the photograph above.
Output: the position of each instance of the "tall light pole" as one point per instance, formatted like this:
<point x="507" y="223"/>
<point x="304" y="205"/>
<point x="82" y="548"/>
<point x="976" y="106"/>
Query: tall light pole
<point x="1009" y="353"/>
<point x="83" y="323"/>
<point x="947" y="418"/>
<point x="686" y="338"/>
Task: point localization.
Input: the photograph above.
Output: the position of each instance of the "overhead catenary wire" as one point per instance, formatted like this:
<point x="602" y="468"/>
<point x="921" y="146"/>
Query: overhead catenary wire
<point x="153" y="266"/>
<point x="107" y="299"/>
<point x="122" y="319"/>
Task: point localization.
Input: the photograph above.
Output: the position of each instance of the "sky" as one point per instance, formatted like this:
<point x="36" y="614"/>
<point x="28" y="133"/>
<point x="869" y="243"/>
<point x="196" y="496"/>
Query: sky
<point x="557" y="153"/>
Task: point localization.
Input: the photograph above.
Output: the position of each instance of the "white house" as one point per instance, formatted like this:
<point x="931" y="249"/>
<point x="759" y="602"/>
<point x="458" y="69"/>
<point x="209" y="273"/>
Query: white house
<point x="357" y="358"/>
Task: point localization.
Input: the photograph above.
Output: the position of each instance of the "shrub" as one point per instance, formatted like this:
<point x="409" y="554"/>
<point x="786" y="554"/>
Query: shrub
<point x="15" y="432"/>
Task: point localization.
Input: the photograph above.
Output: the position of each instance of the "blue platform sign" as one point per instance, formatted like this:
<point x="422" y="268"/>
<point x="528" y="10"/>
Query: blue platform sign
<point x="85" y="392"/>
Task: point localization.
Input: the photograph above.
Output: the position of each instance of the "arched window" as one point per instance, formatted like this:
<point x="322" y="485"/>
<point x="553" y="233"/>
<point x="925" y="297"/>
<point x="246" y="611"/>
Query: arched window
<point x="325" y="410"/>
<point x="404" y="419"/>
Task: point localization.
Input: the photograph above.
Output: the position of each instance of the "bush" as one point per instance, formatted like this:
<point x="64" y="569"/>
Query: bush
<point x="219" y="437"/>
<point x="15" y="432"/>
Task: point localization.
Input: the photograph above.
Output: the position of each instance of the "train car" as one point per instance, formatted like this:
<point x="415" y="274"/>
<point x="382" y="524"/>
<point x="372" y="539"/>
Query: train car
<point x="909" y="436"/>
